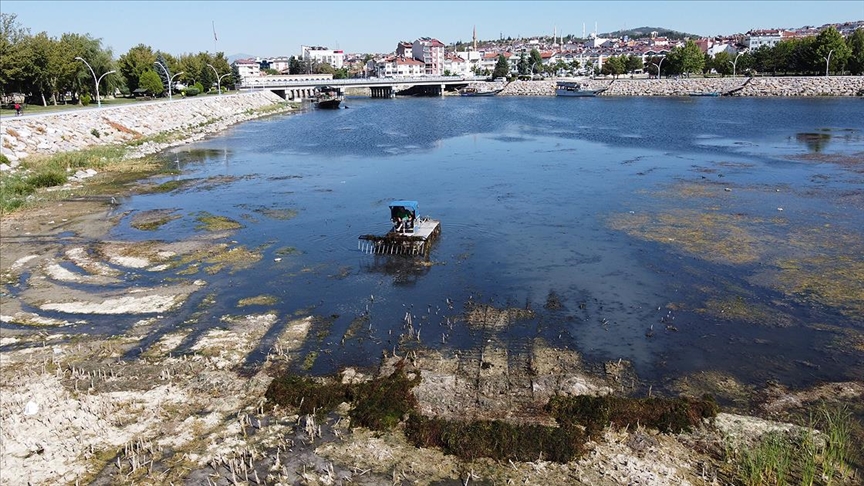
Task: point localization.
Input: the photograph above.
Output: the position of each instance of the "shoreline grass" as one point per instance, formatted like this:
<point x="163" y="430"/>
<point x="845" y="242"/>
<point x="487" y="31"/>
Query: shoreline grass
<point x="38" y="176"/>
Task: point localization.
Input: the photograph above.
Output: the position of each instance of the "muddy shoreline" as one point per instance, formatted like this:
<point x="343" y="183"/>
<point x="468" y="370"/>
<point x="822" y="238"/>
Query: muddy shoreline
<point x="187" y="409"/>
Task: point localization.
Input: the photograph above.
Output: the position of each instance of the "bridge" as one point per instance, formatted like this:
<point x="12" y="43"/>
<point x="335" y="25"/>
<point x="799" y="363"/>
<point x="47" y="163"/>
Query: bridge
<point x="290" y="87"/>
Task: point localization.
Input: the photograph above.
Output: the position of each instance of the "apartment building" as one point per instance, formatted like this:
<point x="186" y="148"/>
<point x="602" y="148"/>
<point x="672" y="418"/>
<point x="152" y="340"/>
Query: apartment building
<point x="431" y="52"/>
<point x="321" y="55"/>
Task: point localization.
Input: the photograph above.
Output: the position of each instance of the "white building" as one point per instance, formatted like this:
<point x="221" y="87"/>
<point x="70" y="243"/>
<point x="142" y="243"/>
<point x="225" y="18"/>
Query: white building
<point x="431" y="53"/>
<point x="334" y="58"/>
<point x="397" y="67"/>
<point x="247" y="68"/>
<point x="758" y="38"/>
<point x="281" y="63"/>
<point x="456" y="66"/>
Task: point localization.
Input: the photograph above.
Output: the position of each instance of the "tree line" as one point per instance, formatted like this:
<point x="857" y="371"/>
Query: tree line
<point x="799" y="56"/>
<point x="47" y="69"/>
<point x="828" y="52"/>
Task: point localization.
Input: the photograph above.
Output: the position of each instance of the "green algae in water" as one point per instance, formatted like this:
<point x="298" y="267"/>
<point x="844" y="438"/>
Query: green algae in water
<point x="211" y="222"/>
<point x="258" y="300"/>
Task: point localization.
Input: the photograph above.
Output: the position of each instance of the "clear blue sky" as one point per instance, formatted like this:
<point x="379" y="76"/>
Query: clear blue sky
<point x="279" y="28"/>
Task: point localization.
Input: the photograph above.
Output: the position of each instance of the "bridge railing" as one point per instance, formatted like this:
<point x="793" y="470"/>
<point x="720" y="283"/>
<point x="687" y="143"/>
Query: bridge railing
<point x="277" y="82"/>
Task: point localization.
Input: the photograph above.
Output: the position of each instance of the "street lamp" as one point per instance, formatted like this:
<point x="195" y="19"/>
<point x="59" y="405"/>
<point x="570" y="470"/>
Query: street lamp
<point x="98" y="101"/>
<point x="734" y="63"/>
<point x="828" y="61"/>
<point x="658" y="66"/>
<point x="218" y="78"/>
<point x="168" y="75"/>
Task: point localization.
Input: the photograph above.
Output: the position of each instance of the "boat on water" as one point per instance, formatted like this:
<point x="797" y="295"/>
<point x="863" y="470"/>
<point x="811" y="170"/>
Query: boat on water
<point x="704" y="93"/>
<point x="328" y="98"/>
<point x="409" y="235"/>
<point x="476" y="92"/>
<point x="571" y="88"/>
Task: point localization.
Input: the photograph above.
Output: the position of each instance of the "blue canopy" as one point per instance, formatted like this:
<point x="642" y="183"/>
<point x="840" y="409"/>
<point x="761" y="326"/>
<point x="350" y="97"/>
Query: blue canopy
<point x="411" y="205"/>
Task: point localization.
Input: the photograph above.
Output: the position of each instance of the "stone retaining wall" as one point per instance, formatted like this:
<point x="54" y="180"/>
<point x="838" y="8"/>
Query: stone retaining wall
<point x="75" y="130"/>
<point x="768" y="86"/>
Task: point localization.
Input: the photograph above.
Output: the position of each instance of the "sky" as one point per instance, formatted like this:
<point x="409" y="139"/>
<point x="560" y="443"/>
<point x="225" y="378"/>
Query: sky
<point x="279" y="28"/>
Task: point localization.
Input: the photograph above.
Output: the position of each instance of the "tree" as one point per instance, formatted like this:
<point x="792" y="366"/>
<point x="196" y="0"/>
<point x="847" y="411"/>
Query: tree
<point x="686" y="59"/>
<point x="11" y="62"/>
<point x="855" y="42"/>
<point x="535" y="58"/>
<point x="163" y="69"/>
<point x="653" y="62"/>
<point x="524" y="64"/>
<point x="135" y="63"/>
<point x="634" y="63"/>
<point x="722" y="63"/>
<point x="614" y="65"/>
<point x="502" y="67"/>
<point x="295" y="66"/>
<point x="830" y="42"/>
<point x="151" y="82"/>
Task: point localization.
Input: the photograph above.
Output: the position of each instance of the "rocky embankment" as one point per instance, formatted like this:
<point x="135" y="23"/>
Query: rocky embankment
<point x="79" y="129"/>
<point x="769" y="86"/>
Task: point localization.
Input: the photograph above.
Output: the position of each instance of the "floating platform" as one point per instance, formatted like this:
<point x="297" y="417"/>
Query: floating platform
<point x="409" y="242"/>
<point x="410" y="234"/>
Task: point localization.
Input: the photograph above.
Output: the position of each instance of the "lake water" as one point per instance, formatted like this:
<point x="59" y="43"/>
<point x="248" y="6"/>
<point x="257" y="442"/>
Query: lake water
<point x="607" y="217"/>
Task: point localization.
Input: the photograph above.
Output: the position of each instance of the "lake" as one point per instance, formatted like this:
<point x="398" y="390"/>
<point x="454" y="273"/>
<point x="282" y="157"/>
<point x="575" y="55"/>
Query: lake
<point x="681" y="234"/>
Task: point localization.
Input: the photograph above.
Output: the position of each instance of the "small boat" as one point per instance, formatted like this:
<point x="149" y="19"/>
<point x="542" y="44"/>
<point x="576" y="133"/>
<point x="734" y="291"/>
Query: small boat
<point x="328" y="98"/>
<point x="476" y="92"/>
<point x="409" y="235"/>
<point x="704" y="93"/>
<point x="570" y="88"/>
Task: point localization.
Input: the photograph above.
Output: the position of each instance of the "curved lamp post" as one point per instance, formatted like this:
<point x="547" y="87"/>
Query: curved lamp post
<point x="168" y="75"/>
<point x="734" y="63"/>
<point x="218" y="78"/>
<point x="658" y="66"/>
<point x="96" y="80"/>
<point x="828" y="61"/>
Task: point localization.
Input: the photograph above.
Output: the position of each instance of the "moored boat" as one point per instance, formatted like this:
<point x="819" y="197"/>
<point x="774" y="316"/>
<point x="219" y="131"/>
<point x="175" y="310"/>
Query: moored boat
<point x="475" y="92"/>
<point x="570" y="88"/>
<point x="704" y="93"/>
<point x="328" y="98"/>
<point x="409" y="235"/>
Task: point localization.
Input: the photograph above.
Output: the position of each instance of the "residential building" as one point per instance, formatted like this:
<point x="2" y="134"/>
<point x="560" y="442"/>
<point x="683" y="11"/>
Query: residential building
<point x="758" y="38"/>
<point x="431" y="53"/>
<point x="322" y="55"/>
<point x="247" y="68"/>
<point x="397" y="67"/>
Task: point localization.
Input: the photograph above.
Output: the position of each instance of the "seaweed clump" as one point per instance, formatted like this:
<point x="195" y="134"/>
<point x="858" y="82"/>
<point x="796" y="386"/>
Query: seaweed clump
<point x="386" y="402"/>
<point x="379" y="404"/>
<point x="663" y="414"/>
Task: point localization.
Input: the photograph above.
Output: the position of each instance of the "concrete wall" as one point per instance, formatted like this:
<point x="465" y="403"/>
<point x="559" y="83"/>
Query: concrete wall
<point x="76" y="129"/>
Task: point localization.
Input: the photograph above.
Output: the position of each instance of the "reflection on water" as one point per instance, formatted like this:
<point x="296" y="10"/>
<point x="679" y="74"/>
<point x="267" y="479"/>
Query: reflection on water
<point x="537" y="198"/>
<point x="815" y="142"/>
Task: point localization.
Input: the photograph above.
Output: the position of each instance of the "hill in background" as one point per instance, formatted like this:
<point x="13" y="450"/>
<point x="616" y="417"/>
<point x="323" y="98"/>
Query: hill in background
<point x="640" y="32"/>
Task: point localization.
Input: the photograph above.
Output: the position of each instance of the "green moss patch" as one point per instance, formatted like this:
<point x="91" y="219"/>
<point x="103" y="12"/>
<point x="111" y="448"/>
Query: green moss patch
<point x="212" y="222"/>
<point x="258" y="300"/>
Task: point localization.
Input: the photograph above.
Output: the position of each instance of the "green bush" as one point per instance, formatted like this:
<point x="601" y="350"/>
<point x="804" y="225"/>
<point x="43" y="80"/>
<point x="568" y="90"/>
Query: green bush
<point x="199" y="87"/>
<point x="191" y="91"/>
<point x="85" y="100"/>
<point x="3" y="159"/>
<point x="49" y="178"/>
<point x="95" y="133"/>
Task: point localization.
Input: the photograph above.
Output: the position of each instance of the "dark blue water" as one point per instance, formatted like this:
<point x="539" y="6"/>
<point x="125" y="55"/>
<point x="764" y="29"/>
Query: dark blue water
<point x="525" y="189"/>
